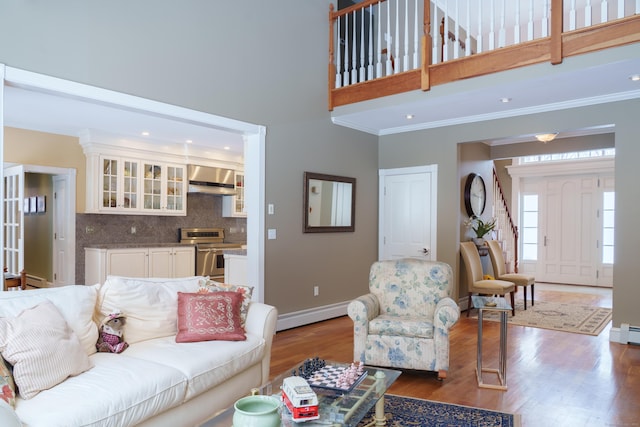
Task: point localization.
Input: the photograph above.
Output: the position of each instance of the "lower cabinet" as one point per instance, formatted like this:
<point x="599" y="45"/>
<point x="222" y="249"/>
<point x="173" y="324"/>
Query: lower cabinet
<point x="169" y="262"/>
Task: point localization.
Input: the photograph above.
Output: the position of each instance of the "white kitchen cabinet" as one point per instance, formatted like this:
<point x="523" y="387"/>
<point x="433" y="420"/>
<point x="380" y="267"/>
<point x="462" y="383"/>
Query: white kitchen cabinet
<point x="172" y="262"/>
<point x="135" y="186"/>
<point x="234" y="206"/>
<point x="235" y="269"/>
<point x="178" y="261"/>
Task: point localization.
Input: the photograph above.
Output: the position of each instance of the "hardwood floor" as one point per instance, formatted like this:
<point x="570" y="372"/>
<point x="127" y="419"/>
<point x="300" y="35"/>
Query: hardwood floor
<point x="554" y="378"/>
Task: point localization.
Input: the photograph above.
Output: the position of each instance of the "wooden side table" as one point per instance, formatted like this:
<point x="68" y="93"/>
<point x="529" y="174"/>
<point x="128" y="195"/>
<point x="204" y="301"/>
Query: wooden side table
<point x="503" y="307"/>
<point x="15" y="281"/>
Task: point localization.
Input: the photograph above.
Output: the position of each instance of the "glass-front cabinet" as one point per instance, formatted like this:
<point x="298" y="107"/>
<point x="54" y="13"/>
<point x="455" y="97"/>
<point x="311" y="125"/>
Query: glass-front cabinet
<point x="234" y="206"/>
<point x="138" y="186"/>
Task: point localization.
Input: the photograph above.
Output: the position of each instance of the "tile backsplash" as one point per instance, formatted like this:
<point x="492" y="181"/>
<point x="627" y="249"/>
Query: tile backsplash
<point x="203" y="210"/>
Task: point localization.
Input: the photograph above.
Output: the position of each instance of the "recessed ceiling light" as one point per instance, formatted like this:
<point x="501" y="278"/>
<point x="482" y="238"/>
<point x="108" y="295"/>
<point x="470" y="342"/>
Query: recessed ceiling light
<point x="634" y="77"/>
<point x="409" y="116"/>
<point x="145" y="133"/>
<point x="505" y="100"/>
<point x="188" y="141"/>
<point x="227" y="148"/>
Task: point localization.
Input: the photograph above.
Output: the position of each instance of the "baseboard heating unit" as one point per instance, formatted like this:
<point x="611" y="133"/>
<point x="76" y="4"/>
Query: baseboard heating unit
<point x="629" y="334"/>
<point x="36" y="282"/>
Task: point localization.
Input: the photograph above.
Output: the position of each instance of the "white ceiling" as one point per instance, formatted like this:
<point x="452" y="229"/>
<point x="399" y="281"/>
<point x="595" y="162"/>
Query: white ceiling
<point x="479" y="99"/>
<point x="73" y="116"/>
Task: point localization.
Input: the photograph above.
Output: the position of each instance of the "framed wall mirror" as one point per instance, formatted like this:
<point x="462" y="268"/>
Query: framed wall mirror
<point x="329" y="203"/>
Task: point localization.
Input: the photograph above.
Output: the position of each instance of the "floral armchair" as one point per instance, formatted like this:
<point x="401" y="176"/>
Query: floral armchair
<point x="404" y="321"/>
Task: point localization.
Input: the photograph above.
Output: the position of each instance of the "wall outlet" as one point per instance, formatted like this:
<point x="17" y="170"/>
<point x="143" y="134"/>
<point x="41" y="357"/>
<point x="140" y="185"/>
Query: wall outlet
<point x="316" y="290"/>
<point x="133" y="230"/>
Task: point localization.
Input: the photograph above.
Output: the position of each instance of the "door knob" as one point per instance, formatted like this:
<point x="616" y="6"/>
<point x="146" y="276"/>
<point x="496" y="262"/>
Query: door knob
<point x="425" y="251"/>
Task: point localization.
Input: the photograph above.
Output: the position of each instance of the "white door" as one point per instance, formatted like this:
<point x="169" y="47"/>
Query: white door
<point x="61" y="238"/>
<point x="407" y="212"/>
<point x="574" y="242"/>
<point x="14" y="219"/>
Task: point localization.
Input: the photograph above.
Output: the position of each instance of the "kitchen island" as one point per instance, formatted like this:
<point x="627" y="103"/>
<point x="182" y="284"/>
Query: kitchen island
<point x="235" y="266"/>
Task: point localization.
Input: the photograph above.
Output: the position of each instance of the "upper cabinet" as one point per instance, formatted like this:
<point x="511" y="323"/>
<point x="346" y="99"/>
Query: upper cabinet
<point x="234" y="206"/>
<point x="133" y="186"/>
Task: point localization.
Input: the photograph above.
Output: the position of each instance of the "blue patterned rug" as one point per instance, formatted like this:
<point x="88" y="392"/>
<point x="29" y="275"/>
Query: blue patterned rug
<point x="409" y="412"/>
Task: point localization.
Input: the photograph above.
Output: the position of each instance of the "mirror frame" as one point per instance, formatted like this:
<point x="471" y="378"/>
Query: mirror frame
<point x="305" y="207"/>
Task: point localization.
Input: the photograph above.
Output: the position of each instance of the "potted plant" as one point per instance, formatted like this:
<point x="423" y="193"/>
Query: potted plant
<point x="481" y="228"/>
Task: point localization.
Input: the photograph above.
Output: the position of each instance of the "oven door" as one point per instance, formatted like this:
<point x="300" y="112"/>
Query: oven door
<point x="210" y="262"/>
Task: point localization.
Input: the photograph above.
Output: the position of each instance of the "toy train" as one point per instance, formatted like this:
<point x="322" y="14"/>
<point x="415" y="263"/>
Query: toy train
<point x="300" y="399"/>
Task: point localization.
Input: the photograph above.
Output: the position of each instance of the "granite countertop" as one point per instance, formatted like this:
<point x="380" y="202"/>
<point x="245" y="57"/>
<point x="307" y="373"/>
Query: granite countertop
<point x="136" y="245"/>
<point x="239" y="252"/>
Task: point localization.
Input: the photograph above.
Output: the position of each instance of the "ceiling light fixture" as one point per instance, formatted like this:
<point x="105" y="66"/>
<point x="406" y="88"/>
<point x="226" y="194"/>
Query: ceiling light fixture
<point x="505" y="100"/>
<point x="145" y="133"/>
<point x="546" y="137"/>
<point x="409" y="116"/>
<point x="634" y="77"/>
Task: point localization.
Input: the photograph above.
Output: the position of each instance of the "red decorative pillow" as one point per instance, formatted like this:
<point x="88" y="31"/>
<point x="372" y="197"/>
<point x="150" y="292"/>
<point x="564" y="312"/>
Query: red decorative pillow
<point x="209" y="316"/>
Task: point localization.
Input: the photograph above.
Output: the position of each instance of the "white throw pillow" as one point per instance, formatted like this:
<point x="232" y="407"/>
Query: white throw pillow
<point x="42" y="348"/>
<point x="150" y="306"/>
<point x="75" y="302"/>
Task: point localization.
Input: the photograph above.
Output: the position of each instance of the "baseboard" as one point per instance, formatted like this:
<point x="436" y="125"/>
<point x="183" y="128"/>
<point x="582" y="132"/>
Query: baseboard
<point x="312" y="315"/>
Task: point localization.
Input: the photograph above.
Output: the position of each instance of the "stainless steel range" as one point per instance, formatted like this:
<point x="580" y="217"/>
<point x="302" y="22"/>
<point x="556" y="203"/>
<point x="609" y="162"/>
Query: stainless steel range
<point x="209" y="250"/>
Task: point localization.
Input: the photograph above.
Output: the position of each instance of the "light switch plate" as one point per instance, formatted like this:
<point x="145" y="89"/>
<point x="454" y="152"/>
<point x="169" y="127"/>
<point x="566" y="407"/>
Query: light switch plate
<point x="271" y="234"/>
<point x="270" y="209"/>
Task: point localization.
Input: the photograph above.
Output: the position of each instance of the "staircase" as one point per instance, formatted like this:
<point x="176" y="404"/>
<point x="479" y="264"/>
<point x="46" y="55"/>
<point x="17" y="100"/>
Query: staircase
<point x="506" y="230"/>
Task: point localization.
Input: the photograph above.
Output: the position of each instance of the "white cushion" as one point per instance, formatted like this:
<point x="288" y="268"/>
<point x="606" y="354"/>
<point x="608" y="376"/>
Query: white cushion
<point x="118" y="391"/>
<point x="149" y="305"/>
<point x="76" y="303"/>
<point x="8" y="417"/>
<point x="42" y="348"/>
<point x="206" y="363"/>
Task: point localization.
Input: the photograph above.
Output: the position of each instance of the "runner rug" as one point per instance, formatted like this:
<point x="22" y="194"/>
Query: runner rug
<point x="410" y="412"/>
<point x="579" y="319"/>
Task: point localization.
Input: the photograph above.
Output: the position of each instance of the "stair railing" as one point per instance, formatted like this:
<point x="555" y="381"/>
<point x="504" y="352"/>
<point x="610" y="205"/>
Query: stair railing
<point x="506" y="230"/>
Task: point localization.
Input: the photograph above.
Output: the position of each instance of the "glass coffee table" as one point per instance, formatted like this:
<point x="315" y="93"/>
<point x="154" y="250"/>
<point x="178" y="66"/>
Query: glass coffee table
<point x="337" y="408"/>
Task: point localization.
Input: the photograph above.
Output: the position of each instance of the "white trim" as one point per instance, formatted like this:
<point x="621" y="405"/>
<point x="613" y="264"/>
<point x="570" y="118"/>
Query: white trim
<point x="312" y="315"/>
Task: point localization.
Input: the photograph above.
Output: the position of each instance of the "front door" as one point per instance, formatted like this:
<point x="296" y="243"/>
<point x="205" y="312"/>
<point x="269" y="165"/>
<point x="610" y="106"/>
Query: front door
<point x="408" y="213"/>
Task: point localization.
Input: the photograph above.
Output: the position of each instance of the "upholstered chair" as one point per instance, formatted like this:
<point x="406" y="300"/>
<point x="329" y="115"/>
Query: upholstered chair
<point x="500" y="271"/>
<point x="475" y="281"/>
<point x="404" y="320"/>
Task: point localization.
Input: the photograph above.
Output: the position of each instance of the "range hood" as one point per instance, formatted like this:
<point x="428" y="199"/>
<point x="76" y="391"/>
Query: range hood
<point x="211" y="180"/>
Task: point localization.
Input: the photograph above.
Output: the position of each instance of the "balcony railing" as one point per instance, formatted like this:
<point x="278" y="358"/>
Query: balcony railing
<point x="384" y="47"/>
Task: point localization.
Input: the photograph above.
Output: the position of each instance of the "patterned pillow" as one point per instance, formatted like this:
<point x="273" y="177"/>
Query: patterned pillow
<point x="246" y="291"/>
<point x="7" y="385"/>
<point x="42" y="348"/>
<point x="209" y="316"/>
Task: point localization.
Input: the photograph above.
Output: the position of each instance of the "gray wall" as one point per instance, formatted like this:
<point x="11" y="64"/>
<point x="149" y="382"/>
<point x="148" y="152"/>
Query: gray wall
<point x="252" y="60"/>
<point x="439" y="146"/>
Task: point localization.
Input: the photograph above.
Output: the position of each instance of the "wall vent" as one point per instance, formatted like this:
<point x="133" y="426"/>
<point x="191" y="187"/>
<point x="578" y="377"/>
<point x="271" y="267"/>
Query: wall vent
<point x="629" y="334"/>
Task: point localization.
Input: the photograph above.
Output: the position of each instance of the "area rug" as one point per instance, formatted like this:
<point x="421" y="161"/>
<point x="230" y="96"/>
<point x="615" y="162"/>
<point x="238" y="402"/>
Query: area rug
<point x="579" y="319"/>
<point x="410" y="412"/>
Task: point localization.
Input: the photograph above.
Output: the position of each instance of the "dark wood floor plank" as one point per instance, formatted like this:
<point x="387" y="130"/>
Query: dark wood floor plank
<point x="554" y="378"/>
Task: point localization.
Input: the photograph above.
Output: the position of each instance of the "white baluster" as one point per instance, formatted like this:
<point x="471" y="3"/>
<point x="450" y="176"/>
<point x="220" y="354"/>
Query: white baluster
<point x="370" y="66"/>
<point x="502" y="35"/>
<point x="345" y="73"/>
<point x="572" y="16"/>
<point x="604" y="11"/>
<point x="479" y="37"/>
<point x="620" y="9"/>
<point x="363" y="74"/>
<point x="467" y="40"/>
<point x="387" y="36"/>
<point x="530" y="28"/>
<point x="416" y="38"/>
<point x="456" y="43"/>
<point x="354" y="47"/>
<point x="492" y="34"/>
<point x="588" y="14"/>
<point x="397" y="32"/>
<point x="445" y="36"/>
<point x="435" y="38"/>
<point x="545" y="20"/>
<point x="379" y="44"/>
<point x="516" y="28"/>
<point x="637" y="7"/>
<point x="405" y="62"/>
<point x="338" y="55"/>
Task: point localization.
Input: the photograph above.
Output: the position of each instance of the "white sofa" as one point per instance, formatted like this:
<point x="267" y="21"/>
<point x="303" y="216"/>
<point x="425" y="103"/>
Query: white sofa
<point x="156" y="381"/>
